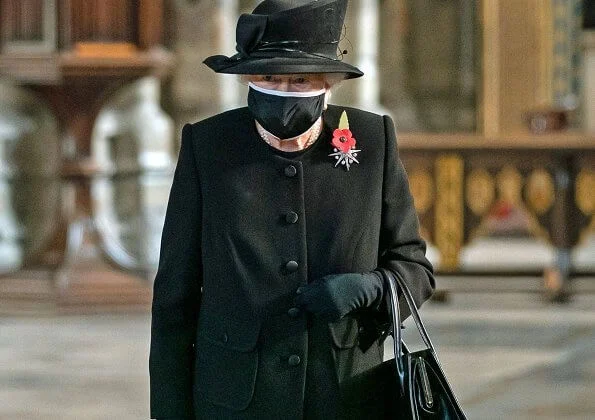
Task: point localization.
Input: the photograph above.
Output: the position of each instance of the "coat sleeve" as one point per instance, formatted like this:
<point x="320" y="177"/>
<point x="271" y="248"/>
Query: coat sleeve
<point x="401" y="249"/>
<point x="176" y="292"/>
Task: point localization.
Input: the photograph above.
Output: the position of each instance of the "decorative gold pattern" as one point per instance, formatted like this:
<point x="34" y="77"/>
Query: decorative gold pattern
<point x="510" y="184"/>
<point x="584" y="191"/>
<point x="585" y="200"/>
<point x="508" y="213"/>
<point x="480" y="191"/>
<point x="449" y="217"/>
<point x="540" y="192"/>
<point x="422" y="189"/>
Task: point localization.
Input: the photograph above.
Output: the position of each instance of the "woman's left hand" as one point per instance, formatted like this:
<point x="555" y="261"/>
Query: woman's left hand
<point x="334" y="296"/>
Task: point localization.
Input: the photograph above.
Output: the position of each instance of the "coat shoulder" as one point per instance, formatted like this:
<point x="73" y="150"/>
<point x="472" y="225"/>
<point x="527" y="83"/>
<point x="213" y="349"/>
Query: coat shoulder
<point x="223" y="117"/>
<point x="222" y="123"/>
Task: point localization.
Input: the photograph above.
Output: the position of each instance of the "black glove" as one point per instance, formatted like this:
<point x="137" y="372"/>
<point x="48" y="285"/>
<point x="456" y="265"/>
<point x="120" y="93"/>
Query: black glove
<point x="334" y="296"/>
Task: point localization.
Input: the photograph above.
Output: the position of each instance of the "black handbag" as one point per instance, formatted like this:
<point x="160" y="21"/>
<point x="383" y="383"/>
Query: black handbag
<point x="415" y="386"/>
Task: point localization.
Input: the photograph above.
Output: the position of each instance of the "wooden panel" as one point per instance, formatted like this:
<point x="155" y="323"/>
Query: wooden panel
<point x="27" y="26"/>
<point x="22" y="20"/>
<point x="100" y="21"/>
<point x="150" y="23"/>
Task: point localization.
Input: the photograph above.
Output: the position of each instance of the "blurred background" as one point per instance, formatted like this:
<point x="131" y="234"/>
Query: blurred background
<point x="494" y="102"/>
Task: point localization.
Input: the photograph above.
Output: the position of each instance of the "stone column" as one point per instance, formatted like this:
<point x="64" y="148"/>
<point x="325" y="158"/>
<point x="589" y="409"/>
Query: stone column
<point x="29" y="184"/>
<point x="589" y="80"/>
<point x="228" y="17"/>
<point x="566" y="27"/>
<point x="466" y="115"/>
<point x="367" y="53"/>
<point x="395" y="91"/>
<point x="13" y="126"/>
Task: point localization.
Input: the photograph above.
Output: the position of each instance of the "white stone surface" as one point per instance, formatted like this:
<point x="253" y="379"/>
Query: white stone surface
<point x="506" y="254"/>
<point x="133" y="138"/>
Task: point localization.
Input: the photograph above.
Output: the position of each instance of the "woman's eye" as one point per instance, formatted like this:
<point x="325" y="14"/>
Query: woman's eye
<point x="267" y="78"/>
<point x="300" y="80"/>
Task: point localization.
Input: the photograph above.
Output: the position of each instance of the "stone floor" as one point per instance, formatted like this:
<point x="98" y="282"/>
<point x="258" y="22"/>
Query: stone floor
<point x="508" y="355"/>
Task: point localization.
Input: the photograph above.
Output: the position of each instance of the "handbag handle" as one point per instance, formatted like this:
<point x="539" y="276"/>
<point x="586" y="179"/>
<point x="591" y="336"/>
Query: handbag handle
<point x="396" y="327"/>
<point x="394" y="280"/>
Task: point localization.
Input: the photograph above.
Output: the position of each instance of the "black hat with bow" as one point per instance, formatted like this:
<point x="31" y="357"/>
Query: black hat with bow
<point x="286" y="37"/>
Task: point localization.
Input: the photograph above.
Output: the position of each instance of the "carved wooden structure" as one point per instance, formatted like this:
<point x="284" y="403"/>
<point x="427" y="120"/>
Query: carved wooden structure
<point x="75" y="54"/>
<point x="519" y="185"/>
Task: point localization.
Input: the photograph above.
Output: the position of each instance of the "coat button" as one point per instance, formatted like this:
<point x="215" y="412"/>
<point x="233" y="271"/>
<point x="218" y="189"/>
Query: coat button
<point x="293" y="312"/>
<point x="224" y="338"/>
<point x="291" y="266"/>
<point x="290" y="171"/>
<point x="291" y="217"/>
<point x="294" y="360"/>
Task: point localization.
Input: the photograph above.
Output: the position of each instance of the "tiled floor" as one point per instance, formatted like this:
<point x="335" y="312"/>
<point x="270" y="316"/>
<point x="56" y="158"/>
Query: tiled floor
<point x="507" y="356"/>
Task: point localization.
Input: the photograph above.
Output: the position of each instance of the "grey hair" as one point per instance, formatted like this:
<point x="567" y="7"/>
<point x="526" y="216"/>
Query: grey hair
<point x="330" y="79"/>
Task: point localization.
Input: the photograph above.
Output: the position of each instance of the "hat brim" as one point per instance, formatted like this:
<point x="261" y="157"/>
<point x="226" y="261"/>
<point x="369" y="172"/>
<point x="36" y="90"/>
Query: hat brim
<point x="280" y="65"/>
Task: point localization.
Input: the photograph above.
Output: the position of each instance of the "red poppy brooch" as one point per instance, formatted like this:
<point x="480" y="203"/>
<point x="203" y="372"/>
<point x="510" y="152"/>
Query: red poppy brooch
<point x="344" y="151"/>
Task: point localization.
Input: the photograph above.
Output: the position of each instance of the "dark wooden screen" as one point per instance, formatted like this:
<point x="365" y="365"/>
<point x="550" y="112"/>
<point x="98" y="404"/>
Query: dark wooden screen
<point x="22" y="20"/>
<point x="99" y="21"/>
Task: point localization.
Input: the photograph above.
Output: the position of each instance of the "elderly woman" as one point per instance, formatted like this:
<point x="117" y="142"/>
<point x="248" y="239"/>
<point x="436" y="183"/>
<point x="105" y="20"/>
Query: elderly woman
<point x="267" y="300"/>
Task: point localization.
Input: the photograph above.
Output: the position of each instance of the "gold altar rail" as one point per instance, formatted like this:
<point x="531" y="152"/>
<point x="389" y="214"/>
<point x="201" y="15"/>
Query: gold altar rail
<point x="516" y="185"/>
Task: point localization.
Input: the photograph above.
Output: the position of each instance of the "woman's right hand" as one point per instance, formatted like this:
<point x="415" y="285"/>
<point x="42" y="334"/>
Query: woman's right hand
<point x="334" y="296"/>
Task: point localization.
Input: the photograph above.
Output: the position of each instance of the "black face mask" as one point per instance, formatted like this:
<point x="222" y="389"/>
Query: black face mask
<point x="285" y="114"/>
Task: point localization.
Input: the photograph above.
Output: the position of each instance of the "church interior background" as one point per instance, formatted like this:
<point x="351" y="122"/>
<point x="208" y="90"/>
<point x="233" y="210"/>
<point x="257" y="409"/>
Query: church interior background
<point x="494" y="103"/>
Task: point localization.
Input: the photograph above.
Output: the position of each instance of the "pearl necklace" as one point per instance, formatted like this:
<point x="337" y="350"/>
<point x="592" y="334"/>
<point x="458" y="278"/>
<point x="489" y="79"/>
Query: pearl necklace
<point x="314" y="133"/>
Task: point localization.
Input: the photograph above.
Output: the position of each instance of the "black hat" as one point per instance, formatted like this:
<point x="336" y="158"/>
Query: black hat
<point x="288" y="36"/>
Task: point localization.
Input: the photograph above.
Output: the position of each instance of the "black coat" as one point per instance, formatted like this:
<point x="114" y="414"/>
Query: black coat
<point x="239" y="349"/>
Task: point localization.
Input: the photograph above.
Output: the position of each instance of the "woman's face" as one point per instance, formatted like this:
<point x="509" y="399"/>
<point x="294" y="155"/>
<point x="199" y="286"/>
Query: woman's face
<point x="289" y="82"/>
